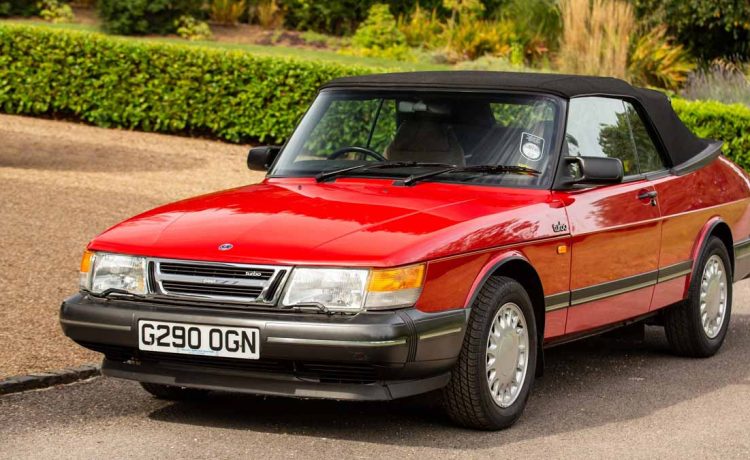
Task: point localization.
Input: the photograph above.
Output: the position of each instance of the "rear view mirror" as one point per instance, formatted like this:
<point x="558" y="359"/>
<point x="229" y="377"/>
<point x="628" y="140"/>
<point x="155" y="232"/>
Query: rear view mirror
<point x="593" y="170"/>
<point x="261" y="158"/>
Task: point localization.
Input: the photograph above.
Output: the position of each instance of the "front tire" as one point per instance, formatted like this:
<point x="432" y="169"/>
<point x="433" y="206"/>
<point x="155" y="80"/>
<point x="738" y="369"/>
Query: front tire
<point x="697" y="326"/>
<point x="173" y="393"/>
<point x="492" y="379"/>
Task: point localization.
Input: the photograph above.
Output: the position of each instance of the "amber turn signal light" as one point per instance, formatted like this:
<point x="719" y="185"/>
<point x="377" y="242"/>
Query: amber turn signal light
<point x="396" y="279"/>
<point x="86" y="261"/>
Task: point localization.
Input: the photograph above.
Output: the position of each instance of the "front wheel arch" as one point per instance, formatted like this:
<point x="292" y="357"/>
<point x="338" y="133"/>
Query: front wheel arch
<point x="518" y="268"/>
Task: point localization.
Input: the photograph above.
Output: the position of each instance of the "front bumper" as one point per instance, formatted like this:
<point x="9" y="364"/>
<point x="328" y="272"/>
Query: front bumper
<point x="368" y="356"/>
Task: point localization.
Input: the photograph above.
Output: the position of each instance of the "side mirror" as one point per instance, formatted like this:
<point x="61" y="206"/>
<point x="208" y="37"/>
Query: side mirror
<point x="593" y="170"/>
<point x="261" y="158"/>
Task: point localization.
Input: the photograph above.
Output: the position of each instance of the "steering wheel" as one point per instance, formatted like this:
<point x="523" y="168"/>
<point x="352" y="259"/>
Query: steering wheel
<point x="352" y="148"/>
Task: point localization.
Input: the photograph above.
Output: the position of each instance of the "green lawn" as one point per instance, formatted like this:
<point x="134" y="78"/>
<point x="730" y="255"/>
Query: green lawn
<point x="283" y="51"/>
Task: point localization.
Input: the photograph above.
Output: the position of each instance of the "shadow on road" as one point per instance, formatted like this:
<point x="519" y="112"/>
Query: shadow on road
<point x="586" y="384"/>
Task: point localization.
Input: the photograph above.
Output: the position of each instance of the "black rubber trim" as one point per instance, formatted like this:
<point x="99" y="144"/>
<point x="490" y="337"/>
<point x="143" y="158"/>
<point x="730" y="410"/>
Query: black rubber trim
<point x="557" y="301"/>
<point x="674" y="271"/>
<point x="742" y="249"/>
<point x="612" y="288"/>
<point x="412" y="339"/>
<point x="705" y="157"/>
<point x="277" y="385"/>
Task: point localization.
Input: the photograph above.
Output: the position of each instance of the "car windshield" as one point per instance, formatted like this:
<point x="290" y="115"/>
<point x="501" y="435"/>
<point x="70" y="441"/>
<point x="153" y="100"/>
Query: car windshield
<point x="415" y="134"/>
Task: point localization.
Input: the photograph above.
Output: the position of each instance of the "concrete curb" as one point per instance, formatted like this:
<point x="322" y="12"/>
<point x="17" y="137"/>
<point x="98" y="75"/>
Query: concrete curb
<point x="39" y="380"/>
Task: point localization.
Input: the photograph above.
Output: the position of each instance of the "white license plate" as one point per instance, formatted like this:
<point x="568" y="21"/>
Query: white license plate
<point x="197" y="339"/>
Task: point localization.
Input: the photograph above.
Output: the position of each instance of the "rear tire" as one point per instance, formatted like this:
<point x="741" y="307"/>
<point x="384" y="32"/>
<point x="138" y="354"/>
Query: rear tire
<point x="174" y="393"/>
<point x="502" y="309"/>
<point x="697" y="326"/>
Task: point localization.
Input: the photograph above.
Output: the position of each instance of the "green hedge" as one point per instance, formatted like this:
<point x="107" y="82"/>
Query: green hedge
<point x="714" y="120"/>
<point x="232" y="95"/>
<point x="118" y="82"/>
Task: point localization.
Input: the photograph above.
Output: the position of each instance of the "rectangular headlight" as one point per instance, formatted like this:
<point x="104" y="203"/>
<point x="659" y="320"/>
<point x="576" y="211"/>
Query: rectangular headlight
<point x="352" y="290"/>
<point x="116" y="272"/>
<point x="335" y="288"/>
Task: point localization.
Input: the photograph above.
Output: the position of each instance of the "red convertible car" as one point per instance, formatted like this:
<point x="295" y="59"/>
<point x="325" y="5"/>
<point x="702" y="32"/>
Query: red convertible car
<point x="426" y="231"/>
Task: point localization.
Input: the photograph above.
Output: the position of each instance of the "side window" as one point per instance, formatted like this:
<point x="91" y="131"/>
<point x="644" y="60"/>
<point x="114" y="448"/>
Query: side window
<point x="599" y="126"/>
<point x="649" y="159"/>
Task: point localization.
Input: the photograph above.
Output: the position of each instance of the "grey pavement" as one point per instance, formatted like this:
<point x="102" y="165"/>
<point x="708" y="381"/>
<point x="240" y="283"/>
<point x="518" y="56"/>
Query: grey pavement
<point x="599" y="398"/>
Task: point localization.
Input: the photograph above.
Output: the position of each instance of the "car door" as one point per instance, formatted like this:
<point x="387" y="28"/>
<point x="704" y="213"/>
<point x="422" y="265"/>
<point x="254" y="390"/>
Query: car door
<point x="616" y="229"/>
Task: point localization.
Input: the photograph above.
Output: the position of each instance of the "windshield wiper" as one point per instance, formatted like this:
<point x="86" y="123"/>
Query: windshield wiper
<point x="479" y="169"/>
<point x="325" y="175"/>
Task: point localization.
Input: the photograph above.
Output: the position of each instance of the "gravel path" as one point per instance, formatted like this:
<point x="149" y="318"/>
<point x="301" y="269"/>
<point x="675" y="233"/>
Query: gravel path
<point x="62" y="183"/>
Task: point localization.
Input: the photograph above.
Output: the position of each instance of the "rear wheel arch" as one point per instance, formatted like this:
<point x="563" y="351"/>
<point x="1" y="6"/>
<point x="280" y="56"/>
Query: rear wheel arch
<point x="720" y="229"/>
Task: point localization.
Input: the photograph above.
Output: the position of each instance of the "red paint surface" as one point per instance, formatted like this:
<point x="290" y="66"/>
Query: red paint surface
<point x="461" y="231"/>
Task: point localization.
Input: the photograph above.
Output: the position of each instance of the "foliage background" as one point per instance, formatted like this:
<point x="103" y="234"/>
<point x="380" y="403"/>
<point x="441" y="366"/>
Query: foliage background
<point x="232" y="95"/>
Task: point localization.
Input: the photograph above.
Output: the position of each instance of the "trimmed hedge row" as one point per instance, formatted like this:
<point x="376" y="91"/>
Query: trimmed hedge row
<point x="232" y="95"/>
<point x="116" y="82"/>
<point x="714" y="120"/>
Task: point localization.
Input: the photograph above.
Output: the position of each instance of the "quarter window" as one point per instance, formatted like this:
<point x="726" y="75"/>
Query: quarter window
<point x="649" y="159"/>
<point x="608" y="127"/>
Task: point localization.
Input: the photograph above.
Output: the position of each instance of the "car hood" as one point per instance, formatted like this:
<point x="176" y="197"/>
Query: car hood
<point x="359" y="222"/>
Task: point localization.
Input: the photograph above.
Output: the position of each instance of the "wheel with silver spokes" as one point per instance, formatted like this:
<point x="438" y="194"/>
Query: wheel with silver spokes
<point x="697" y="326"/>
<point x="507" y="354"/>
<point x="713" y="296"/>
<point x="493" y="376"/>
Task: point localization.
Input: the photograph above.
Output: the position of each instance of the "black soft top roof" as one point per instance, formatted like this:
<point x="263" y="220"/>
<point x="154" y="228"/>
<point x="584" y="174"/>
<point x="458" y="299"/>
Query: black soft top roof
<point x="682" y="146"/>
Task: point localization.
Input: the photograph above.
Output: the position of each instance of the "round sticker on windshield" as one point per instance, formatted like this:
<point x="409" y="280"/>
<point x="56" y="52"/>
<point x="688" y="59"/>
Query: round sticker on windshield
<point x="531" y="146"/>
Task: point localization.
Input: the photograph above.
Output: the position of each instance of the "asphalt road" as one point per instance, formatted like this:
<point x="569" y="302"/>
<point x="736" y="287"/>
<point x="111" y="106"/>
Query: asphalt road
<point x="601" y="397"/>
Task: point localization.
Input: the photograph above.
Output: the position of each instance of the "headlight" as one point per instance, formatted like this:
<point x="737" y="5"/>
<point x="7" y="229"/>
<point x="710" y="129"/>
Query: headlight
<point x="334" y="288"/>
<point x="101" y="272"/>
<point x="351" y="290"/>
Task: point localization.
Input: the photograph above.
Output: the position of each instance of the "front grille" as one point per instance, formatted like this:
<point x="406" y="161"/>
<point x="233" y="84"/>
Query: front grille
<point x="216" y="271"/>
<point x="217" y="282"/>
<point x="338" y="373"/>
<point x="176" y="287"/>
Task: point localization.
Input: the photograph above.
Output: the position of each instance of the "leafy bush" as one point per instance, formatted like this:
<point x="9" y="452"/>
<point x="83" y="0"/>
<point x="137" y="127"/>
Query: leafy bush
<point x="192" y="29"/>
<point x="714" y="120"/>
<point x="656" y="61"/>
<point x="337" y="17"/>
<point x="537" y="25"/>
<point x="709" y="28"/>
<point x="55" y="11"/>
<point x="137" y="17"/>
<point x="172" y="88"/>
<point x="227" y="12"/>
<point x="423" y="29"/>
<point x="378" y="30"/>
<point x="270" y="14"/>
<point x="18" y="8"/>
<point x="341" y="17"/>
<point x="379" y="36"/>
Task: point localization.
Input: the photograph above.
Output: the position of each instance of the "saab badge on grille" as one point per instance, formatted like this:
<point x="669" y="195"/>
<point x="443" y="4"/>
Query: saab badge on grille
<point x="225" y="246"/>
